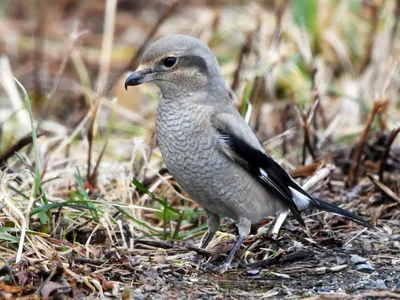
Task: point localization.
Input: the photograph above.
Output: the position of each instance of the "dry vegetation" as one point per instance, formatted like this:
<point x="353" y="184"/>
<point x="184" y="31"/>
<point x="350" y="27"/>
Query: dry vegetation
<point x="86" y="208"/>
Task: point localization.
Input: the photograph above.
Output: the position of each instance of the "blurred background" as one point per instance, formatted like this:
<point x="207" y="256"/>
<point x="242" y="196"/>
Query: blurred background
<point x="318" y="81"/>
<point x="69" y="55"/>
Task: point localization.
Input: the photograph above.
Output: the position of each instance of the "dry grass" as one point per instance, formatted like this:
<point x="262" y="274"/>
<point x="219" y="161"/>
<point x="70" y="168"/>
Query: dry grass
<point x="86" y="208"/>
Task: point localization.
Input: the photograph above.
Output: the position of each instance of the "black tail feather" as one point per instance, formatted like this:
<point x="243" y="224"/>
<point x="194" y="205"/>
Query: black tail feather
<point x="323" y="205"/>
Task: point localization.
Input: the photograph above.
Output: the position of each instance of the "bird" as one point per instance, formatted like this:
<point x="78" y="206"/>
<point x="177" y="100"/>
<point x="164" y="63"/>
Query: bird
<point x="208" y="147"/>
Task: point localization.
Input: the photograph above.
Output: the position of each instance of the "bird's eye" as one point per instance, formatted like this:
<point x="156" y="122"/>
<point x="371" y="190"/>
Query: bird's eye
<point x="169" y="61"/>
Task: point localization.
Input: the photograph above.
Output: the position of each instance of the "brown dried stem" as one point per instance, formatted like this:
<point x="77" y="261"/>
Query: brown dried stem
<point x="92" y="120"/>
<point x="375" y="6"/>
<point x="385" y="154"/>
<point x="278" y="27"/>
<point x="307" y="142"/>
<point x="307" y="119"/>
<point x="134" y="62"/>
<point x="167" y="245"/>
<point x="21" y="143"/>
<point x="246" y="48"/>
<point x="393" y="32"/>
<point x="39" y="44"/>
<point x="355" y="162"/>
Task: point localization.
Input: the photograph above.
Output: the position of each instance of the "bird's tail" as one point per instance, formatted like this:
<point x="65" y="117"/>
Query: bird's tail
<point x="323" y="205"/>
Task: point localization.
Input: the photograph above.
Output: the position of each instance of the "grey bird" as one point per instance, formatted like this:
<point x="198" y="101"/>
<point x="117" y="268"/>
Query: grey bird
<point x="208" y="147"/>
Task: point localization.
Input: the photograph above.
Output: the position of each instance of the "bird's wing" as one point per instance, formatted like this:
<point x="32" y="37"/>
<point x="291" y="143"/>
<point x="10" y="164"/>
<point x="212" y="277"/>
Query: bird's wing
<point x="238" y="141"/>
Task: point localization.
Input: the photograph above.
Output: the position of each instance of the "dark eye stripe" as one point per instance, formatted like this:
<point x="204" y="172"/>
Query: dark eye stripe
<point x="193" y="61"/>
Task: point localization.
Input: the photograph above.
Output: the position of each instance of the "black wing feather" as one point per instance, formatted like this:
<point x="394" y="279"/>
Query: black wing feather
<point x="254" y="160"/>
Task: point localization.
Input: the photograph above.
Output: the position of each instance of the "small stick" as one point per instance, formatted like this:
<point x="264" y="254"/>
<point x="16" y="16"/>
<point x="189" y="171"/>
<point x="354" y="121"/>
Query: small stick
<point x="278" y="224"/>
<point x="22" y="142"/>
<point x="385" y="154"/>
<point x="133" y="63"/>
<point x="385" y="190"/>
<point x="279" y="12"/>
<point x="301" y="254"/>
<point x="356" y="236"/>
<point x="377" y="294"/>
<point x="246" y="48"/>
<point x="90" y="136"/>
<point x="355" y="162"/>
<point x="375" y="7"/>
<point x="393" y="31"/>
<point x="162" y="244"/>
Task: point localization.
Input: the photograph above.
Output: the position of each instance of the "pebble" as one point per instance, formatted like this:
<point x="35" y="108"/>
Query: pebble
<point x="138" y="294"/>
<point x="365" y="267"/>
<point x="140" y="297"/>
<point x="253" y="272"/>
<point x="149" y="288"/>
<point x="380" y="284"/>
<point x="371" y="284"/>
<point x="356" y="259"/>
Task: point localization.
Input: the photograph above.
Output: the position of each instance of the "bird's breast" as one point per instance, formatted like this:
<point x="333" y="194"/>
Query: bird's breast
<point x="183" y="137"/>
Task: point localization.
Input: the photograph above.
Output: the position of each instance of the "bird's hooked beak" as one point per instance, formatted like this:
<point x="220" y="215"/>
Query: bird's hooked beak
<point x="141" y="75"/>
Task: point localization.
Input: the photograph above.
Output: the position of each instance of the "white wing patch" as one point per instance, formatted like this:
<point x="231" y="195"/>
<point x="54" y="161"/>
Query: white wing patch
<point x="264" y="173"/>
<point x="302" y="201"/>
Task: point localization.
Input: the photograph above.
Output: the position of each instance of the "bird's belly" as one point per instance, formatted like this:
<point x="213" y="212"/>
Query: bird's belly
<point x="213" y="180"/>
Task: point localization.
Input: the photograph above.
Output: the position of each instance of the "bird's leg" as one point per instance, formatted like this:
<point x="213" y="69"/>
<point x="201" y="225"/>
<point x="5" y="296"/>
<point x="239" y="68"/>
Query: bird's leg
<point x="244" y="227"/>
<point x="213" y="223"/>
<point x="244" y="230"/>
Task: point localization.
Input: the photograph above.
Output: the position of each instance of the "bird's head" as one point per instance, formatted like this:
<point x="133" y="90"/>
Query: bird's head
<point x="179" y="65"/>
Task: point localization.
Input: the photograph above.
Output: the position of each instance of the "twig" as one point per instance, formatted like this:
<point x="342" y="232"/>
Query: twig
<point x="133" y="63"/>
<point x="279" y="12"/>
<point x="356" y="236"/>
<point x="277" y="224"/>
<point x="393" y="31"/>
<point x="21" y="143"/>
<point x="145" y="160"/>
<point x="93" y="115"/>
<point x="375" y="7"/>
<point x="320" y="176"/>
<point x="106" y="46"/>
<point x="265" y="262"/>
<point x="385" y="154"/>
<point x="379" y="294"/>
<point x="39" y="44"/>
<point x="307" y="140"/>
<point x="95" y="262"/>
<point x="385" y="190"/>
<point x="214" y="26"/>
<point x="163" y="244"/>
<point x="73" y="37"/>
<point x="355" y="162"/>
<point x="256" y="101"/>
<point x="246" y="48"/>
<point x="301" y="254"/>
<point x="311" y="117"/>
<point x="93" y="177"/>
